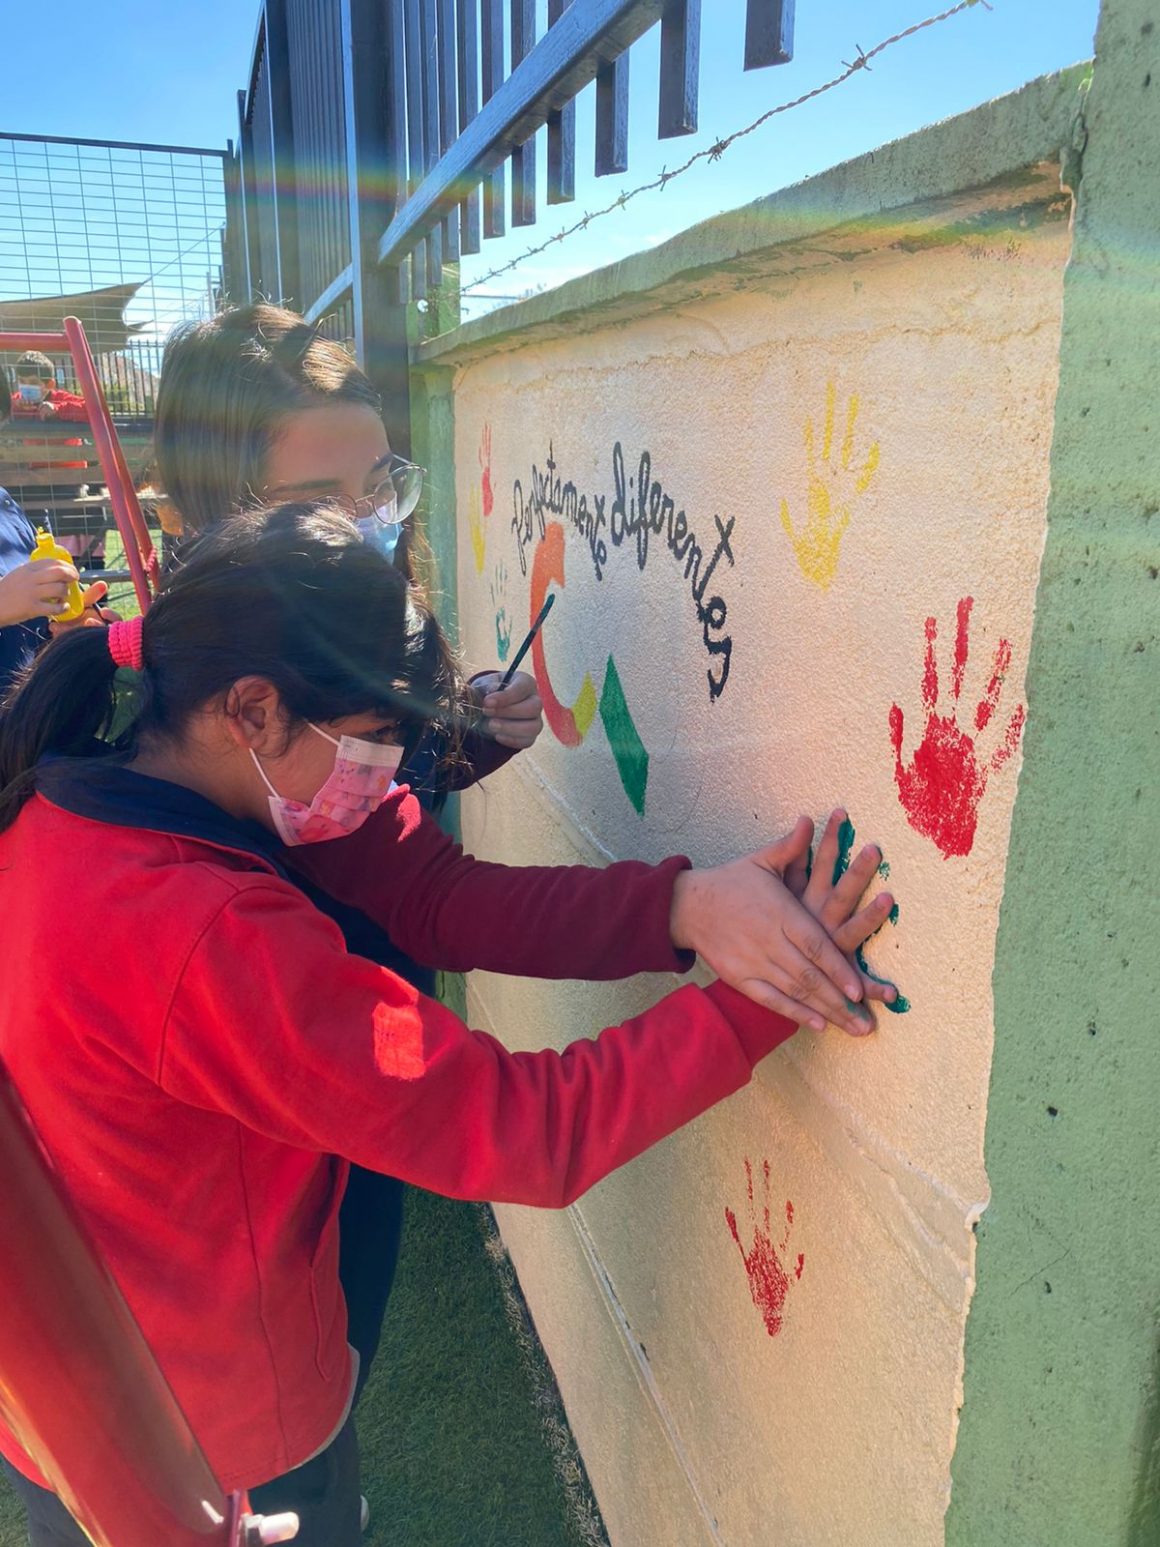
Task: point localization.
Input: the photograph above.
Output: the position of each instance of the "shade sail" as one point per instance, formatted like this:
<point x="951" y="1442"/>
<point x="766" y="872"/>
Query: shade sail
<point x="101" y="312"/>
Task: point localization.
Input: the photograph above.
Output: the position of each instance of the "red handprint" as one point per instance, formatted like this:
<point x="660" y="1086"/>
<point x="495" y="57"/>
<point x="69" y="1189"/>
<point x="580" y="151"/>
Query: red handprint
<point x="768" y="1280"/>
<point x="485" y="471"/>
<point x="945" y="782"/>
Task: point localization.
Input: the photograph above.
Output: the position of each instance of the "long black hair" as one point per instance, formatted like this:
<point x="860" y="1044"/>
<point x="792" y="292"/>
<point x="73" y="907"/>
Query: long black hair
<point x="291" y="594"/>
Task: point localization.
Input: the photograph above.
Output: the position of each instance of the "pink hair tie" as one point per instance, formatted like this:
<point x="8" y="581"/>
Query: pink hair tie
<point x="124" y="642"/>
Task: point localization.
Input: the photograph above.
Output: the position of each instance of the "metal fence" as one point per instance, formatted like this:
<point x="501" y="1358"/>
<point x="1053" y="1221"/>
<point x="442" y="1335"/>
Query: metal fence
<point x="374" y="135"/>
<point x="126" y="236"/>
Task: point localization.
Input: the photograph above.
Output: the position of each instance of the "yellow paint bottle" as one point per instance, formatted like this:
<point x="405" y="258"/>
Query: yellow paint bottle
<point x="48" y="548"/>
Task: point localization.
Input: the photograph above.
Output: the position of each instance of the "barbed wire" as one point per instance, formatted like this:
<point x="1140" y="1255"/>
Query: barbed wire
<point x="715" y="151"/>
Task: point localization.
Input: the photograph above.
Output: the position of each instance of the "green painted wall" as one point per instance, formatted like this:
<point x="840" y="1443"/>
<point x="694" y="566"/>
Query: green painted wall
<point x="1058" y="1439"/>
<point x="433" y="447"/>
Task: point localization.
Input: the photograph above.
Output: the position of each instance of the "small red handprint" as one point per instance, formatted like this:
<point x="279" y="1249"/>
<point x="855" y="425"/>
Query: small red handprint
<point x="485" y="472"/>
<point x="945" y="782"/>
<point x="769" y="1282"/>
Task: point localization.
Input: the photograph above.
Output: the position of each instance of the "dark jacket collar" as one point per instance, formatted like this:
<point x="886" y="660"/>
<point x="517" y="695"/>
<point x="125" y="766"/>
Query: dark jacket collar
<point x="102" y="790"/>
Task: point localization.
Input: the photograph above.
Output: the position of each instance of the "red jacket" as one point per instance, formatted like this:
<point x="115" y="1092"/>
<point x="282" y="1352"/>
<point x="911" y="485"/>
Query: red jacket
<point x="70" y="409"/>
<point x="195" y="1093"/>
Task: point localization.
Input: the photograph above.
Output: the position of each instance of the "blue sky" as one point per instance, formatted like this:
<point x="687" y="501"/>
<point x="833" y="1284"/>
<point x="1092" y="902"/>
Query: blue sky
<point x="141" y="70"/>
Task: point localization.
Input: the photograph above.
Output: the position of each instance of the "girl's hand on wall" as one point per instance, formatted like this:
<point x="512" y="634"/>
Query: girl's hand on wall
<point x="744" y="920"/>
<point x="514" y="716"/>
<point x="832" y="892"/>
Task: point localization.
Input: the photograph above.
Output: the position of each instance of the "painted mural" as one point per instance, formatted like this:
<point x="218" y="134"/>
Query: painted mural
<point x="794" y="536"/>
<point x="833" y="485"/>
<point x="768" y="1268"/>
<point x="944" y="782"/>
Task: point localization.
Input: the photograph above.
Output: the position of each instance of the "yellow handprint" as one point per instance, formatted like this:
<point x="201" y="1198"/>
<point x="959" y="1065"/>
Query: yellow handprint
<point x="832" y="489"/>
<point x="475" y="527"/>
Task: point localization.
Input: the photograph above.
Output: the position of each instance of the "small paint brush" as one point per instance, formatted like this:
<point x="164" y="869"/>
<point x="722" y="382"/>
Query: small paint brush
<point x="528" y="642"/>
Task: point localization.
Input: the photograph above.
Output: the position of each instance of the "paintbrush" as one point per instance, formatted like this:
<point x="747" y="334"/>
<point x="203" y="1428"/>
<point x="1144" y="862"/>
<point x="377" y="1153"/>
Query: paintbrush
<point x="527" y="644"/>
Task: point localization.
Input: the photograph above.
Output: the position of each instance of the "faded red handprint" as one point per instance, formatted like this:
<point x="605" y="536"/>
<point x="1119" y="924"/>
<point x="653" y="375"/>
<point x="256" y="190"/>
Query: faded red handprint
<point x="485" y="472"/>
<point x="769" y="1281"/>
<point x="945" y="782"/>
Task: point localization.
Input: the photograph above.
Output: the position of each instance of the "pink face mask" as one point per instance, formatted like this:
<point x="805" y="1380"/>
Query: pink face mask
<point x="361" y="780"/>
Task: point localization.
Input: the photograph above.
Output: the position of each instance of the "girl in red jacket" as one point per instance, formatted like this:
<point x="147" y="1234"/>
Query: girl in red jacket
<point x="194" y="1102"/>
<point x="255" y="405"/>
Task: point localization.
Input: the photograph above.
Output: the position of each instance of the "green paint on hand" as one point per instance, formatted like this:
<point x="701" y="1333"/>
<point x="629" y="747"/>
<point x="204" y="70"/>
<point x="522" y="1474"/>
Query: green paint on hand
<point x="845" y="848"/>
<point x="627" y="748"/>
<point x="900" y="1005"/>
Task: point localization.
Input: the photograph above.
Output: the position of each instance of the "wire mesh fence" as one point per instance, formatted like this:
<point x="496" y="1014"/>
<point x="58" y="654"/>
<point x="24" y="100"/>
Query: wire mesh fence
<point x="127" y="237"/>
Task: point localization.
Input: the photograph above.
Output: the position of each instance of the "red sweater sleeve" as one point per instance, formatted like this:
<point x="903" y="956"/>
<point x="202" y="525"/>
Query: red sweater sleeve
<point x="449" y="910"/>
<point x="321" y="1050"/>
<point x="70" y="409"/>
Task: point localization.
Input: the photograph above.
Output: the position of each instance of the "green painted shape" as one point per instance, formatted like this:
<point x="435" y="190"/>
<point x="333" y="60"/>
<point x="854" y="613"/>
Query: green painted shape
<point x="1059" y="1437"/>
<point x="627" y="747"/>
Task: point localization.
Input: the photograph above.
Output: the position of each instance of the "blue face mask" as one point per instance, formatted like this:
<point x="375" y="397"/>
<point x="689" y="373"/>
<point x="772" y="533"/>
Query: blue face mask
<point x="379" y="535"/>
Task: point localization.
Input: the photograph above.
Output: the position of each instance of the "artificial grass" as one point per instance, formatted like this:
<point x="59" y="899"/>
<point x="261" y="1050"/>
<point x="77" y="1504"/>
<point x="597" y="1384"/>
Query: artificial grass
<point x="462" y="1439"/>
<point x="460" y="1431"/>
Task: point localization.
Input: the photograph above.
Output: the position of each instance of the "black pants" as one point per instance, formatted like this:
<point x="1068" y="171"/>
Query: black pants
<point x="324" y="1494"/>
<point x="370" y="1228"/>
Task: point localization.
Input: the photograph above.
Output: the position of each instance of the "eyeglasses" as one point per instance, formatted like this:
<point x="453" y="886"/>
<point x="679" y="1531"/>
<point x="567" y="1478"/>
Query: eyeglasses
<point x="390" y="502"/>
<point x="393" y="497"/>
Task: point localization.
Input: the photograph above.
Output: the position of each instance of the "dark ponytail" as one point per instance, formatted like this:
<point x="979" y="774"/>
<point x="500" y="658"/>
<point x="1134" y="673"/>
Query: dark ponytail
<point x="65" y="701"/>
<point x="292" y="595"/>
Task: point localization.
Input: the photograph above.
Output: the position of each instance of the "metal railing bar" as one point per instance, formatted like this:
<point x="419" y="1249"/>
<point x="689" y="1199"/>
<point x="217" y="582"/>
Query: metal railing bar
<point x="567" y="57"/>
<point x="768" y="33"/>
<point x="448" y="110"/>
<point x="561" y="137"/>
<point x="680" y="68"/>
<point x="612" y="117"/>
<point x="60" y="139"/>
<point x="416" y="150"/>
<point x="431" y="138"/>
<point x="467" y="48"/>
<point x="524" y="156"/>
<point x="491" y="59"/>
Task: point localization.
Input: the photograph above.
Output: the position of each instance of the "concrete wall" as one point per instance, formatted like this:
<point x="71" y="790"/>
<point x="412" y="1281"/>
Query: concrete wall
<point x="1061" y="1427"/>
<point x="846" y="396"/>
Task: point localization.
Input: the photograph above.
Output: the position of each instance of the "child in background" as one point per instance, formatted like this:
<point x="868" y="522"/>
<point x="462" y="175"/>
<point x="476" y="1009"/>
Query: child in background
<point x="194" y="1110"/>
<point x="255" y="405"/>
<point x="39" y="397"/>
